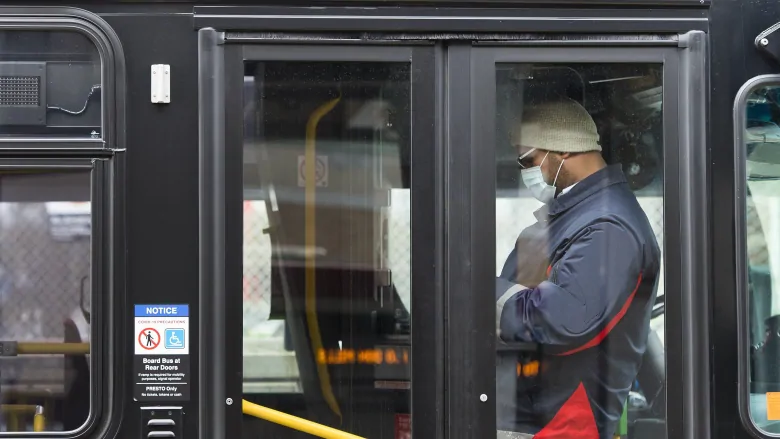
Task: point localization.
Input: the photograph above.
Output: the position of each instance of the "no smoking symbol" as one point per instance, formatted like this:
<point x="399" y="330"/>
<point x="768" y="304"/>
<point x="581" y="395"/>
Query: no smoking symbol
<point x="149" y="338"/>
<point x="320" y="171"/>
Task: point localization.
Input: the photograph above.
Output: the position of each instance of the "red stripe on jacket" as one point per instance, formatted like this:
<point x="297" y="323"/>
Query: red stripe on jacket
<point x="615" y="320"/>
<point x="573" y="420"/>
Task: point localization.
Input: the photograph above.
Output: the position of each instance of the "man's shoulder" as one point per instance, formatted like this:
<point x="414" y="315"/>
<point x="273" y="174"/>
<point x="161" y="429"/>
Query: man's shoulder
<point x="618" y="216"/>
<point x="616" y="201"/>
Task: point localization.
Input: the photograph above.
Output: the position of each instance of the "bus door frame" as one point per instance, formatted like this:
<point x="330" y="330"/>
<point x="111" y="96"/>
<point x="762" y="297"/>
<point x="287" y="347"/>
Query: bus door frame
<point x="462" y="404"/>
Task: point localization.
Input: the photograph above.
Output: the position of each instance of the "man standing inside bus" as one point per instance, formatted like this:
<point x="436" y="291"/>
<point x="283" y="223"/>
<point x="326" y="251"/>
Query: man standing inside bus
<point x="581" y="283"/>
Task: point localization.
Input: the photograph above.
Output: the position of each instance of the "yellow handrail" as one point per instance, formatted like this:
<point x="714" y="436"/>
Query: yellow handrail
<point x="44" y="348"/>
<point x="310" y="238"/>
<point x="294" y="422"/>
<point x="39" y="421"/>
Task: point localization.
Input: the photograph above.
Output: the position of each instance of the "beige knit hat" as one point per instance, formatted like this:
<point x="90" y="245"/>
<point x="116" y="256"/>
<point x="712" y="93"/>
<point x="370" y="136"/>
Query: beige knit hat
<point x="558" y="126"/>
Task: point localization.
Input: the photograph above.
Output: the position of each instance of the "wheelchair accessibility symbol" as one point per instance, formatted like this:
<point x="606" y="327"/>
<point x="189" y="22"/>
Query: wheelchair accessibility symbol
<point x="174" y="339"/>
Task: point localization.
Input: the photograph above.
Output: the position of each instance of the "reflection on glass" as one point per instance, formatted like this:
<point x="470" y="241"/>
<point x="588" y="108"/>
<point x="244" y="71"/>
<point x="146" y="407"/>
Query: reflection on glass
<point x="327" y="252"/>
<point x="579" y="288"/>
<point x="762" y="143"/>
<point x="45" y="243"/>
<point x="50" y="85"/>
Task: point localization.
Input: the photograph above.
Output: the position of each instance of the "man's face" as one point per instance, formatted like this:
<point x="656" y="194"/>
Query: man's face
<point x="549" y="165"/>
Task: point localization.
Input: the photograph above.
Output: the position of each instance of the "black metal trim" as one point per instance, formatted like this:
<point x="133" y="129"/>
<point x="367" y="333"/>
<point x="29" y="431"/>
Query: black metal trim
<point x="115" y="295"/>
<point x="67" y="152"/>
<point x="585" y="41"/>
<point x="573" y="55"/>
<point x="271" y="52"/>
<point x="427" y="244"/>
<point x="340" y="39"/>
<point x="673" y="241"/>
<point x="232" y="157"/>
<point x="408" y="38"/>
<point x="111" y="55"/>
<point x="212" y="328"/>
<point x="740" y="245"/>
<point x="46" y="163"/>
<point x="51" y="143"/>
<point x="440" y="218"/>
<point x="427" y="19"/>
<point x="470" y="371"/>
<point x="686" y="4"/>
<point x="695" y="230"/>
<point x="483" y="93"/>
<point x="100" y="281"/>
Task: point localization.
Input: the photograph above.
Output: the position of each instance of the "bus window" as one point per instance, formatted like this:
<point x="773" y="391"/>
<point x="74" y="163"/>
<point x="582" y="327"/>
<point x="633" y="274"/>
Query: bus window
<point x="761" y="220"/>
<point x="579" y="240"/>
<point x="45" y="267"/>
<point x="50" y="85"/>
<point x="326" y="247"/>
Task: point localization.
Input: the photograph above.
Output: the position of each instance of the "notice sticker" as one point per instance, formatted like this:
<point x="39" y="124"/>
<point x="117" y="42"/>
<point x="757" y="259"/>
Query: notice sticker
<point x="161" y="364"/>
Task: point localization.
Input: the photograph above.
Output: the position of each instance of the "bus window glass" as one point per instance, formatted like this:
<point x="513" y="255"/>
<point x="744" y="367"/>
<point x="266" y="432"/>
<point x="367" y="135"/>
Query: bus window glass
<point x="50" y="85"/>
<point x="327" y="223"/>
<point x="45" y="266"/>
<point x="579" y="240"/>
<point x="762" y="221"/>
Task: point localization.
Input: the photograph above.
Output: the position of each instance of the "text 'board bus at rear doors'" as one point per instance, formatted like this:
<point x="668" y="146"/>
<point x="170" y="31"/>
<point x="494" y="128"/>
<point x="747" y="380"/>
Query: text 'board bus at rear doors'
<point x="161" y="364"/>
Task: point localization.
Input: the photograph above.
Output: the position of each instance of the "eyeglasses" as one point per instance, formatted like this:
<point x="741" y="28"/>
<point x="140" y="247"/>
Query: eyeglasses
<point x="524" y="161"/>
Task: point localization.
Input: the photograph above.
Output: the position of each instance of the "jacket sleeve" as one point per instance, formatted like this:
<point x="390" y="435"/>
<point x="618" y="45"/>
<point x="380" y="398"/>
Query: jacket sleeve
<point x="596" y="277"/>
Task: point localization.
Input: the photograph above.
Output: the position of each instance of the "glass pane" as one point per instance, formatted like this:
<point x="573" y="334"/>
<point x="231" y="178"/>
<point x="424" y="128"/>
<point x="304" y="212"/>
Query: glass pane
<point x="327" y="252"/>
<point x="45" y="265"/>
<point x="49" y="85"/>
<point x="763" y="211"/>
<point x="579" y="234"/>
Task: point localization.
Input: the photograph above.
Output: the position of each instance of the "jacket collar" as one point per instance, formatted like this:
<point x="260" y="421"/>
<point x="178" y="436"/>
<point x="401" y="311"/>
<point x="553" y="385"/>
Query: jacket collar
<point x="607" y="176"/>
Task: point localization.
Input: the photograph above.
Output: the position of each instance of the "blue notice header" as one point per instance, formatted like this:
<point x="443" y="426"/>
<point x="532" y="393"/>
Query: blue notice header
<point x="162" y="310"/>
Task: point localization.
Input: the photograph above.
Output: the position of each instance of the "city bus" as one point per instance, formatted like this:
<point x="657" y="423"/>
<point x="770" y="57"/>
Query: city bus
<point x="284" y="220"/>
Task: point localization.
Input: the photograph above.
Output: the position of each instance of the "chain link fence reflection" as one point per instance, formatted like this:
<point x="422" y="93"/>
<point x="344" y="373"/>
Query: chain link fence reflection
<point x="42" y="272"/>
<point x="257" y="270"/>
<point x="44" y="261"/>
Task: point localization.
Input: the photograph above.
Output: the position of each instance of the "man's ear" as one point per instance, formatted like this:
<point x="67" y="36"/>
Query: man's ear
<point x="565" y="155"/>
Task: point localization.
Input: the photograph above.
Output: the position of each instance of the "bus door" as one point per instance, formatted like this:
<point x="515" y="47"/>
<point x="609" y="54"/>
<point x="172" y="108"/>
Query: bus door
<point x="640" y="104"/>
<point x="330" y="224"/>
<point x="361" y="195"/>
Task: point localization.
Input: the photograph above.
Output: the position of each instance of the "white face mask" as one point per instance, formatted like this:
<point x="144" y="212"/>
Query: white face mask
<point x="534" y="180"/>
